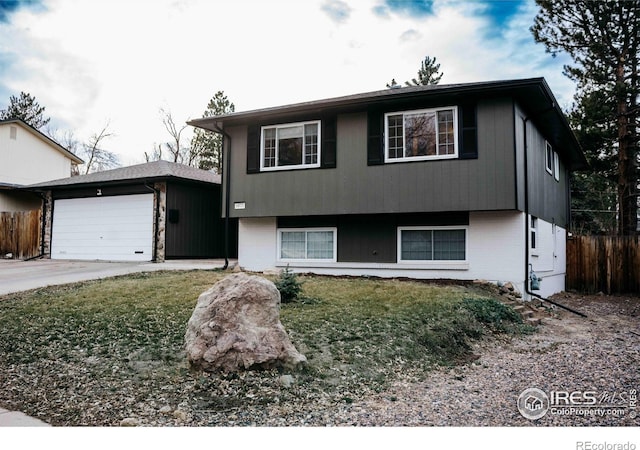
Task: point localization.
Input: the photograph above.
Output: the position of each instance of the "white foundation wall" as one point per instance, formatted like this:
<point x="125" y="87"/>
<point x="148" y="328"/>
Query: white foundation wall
<point x="549" y="259"/>
<point x="495" y="252"/>
<point x="257" y="244"/>
<point x="497" y="247"/>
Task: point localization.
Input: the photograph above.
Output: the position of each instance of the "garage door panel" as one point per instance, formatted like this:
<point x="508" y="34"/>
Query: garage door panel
<point x="107" y="228"/>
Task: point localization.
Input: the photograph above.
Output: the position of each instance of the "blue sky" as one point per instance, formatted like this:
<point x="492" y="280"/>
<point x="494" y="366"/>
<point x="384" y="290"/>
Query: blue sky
<point x="120" y="61"/>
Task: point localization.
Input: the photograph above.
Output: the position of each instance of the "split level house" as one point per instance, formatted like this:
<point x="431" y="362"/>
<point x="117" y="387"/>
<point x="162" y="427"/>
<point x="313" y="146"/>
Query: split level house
<point x="464" y="181"/>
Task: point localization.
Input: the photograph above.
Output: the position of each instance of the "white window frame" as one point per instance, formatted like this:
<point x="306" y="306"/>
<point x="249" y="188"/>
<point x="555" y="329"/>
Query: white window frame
<point x="334" y="259"/>
<point x="534" y="241"/>
<point x="548" y="158"/>
<point x="454" y="109"/>
<point x="287" y="125"/>
<point x="464" y="228"/>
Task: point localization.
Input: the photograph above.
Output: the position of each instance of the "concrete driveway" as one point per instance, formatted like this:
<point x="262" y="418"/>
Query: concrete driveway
<point x="16" y="276"/>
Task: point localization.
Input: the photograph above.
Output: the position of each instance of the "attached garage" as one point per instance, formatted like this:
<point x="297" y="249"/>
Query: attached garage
<point x="148" y="212"/>
<point x="118" y="228"/>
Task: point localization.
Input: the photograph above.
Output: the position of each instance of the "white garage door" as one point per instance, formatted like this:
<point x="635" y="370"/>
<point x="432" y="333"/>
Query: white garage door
<point x="116" y="228"/>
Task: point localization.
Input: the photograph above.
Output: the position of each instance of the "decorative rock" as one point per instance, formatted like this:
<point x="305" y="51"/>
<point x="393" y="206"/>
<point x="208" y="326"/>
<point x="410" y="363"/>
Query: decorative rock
<point x="165" y="409"/>
<point x="129" y="422"/>
<point x="236" y="325"/>
<point x="286" y="381"/>
<point x="180" y="415"/>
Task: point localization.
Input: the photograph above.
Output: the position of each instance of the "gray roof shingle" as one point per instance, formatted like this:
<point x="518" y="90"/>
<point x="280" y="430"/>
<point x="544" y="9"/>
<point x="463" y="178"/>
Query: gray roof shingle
<point x="139" y="172"/>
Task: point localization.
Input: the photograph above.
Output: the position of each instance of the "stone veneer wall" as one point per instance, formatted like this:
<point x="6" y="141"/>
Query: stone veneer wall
<point x="48" y="224"/>
<point x="160" y="224"/>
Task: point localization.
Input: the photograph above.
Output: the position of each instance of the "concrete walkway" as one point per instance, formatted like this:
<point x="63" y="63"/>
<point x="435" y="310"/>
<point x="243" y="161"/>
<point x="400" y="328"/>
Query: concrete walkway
<point x="17" y="276"/>
<point x="18" y="419"/>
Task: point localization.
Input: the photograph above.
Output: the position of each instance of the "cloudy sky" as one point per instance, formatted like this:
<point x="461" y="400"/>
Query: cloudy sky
<point x="120" y="61"/>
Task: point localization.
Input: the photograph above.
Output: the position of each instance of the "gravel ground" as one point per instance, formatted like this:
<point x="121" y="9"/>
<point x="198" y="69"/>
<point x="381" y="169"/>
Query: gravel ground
<point x="599" y="353"/>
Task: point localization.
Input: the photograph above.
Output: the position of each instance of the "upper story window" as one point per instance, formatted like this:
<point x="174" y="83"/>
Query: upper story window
<point x="421" y="134"/>
<point x="548" y="158"/>
<point x="290" y="146"/>
<point x="551" y="162"/>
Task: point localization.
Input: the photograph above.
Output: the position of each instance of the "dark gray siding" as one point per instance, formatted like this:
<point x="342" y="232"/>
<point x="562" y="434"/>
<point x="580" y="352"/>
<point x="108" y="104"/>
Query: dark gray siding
<point x="353" y="187"/>
<point x="372" y="237"/>
<point x="548" y="199"/>
<point x="193" y="226"/>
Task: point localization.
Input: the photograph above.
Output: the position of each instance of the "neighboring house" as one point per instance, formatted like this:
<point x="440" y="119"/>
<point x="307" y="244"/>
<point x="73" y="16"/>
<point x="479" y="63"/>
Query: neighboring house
<point x="466" y="181"/>
<point x="27" y="156"/>
<point x="147" y="212"/>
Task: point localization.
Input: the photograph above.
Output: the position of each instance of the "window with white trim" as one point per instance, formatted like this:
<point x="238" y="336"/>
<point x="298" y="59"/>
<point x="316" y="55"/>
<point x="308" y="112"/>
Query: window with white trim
<point x="556" y="166"/>
<point x="533" y="229"/>
<point x="307" y="244"/>
<point x="432" y="244"/>
<point x="421" y="134"/>
<point x="290" y="146"/>
<point x="548" y="158"/>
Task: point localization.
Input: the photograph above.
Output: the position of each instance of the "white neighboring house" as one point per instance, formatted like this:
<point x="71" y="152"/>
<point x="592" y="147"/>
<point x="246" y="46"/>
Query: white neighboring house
<point x="27" y="156"/>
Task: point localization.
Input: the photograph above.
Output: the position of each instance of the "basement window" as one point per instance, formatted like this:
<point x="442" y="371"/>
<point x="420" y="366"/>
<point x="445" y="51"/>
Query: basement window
<point x="432" y="244"/>
<point x="307" y="244"/>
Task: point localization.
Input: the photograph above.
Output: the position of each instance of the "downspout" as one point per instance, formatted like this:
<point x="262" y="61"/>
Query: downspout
<point x="527" y="221"/>
<point x="226" y="173"/>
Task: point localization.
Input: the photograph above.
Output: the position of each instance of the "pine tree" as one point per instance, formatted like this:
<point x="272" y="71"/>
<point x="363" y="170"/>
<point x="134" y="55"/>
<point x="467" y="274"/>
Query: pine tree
<point x="26" y="108"/>
<point x="603" y="39"/>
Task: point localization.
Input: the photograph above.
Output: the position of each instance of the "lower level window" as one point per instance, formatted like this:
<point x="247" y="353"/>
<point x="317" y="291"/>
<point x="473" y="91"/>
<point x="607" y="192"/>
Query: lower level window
<point x="432" y="244"/>
<point x="317" y="244"/>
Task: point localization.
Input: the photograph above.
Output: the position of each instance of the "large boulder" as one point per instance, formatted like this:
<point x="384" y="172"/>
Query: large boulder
<point x="236" y="325"/>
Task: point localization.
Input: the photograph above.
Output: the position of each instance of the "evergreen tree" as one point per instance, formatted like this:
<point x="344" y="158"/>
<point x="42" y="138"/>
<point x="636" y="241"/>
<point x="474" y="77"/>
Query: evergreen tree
<point x="26" y="108"/>
<point x="603" y="39"/>
<point x="206" y="146"/>
<point x="429" y="73"/>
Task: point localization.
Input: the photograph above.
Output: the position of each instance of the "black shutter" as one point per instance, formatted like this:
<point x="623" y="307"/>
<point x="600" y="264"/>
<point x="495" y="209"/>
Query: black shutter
<point x="328" y="147"/>
<point x="253" y="149"/>
<point x="375" y="138"/>
<point x="468" y="132"/>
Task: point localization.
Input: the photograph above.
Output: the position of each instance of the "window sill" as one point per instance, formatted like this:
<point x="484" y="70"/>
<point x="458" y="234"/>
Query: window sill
<point x="440" y="265"/>
<point x="420" y="158"/>
<point x="292" y="167"/>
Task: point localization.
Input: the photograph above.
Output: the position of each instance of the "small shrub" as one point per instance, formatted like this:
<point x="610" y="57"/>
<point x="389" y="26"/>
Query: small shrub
<point x="288" y="285"/>
<point x="493" y="314"/>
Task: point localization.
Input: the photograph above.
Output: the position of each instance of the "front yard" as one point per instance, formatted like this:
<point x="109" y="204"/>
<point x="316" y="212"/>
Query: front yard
<point x="103" y="352"/>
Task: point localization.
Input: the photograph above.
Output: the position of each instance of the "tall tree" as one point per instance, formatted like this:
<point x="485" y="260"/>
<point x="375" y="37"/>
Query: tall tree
<point x="178" y="152"/>
<point x="206" y="146"/>
<point x="603" y="39"/>
<point x="429" y="73"/>
<point x="594" y="193"/>
<point x="26" y="108"/>
<point x="97" y="158"/>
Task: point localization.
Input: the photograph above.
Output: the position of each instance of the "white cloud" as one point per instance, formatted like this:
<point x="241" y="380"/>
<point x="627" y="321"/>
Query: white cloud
<point x="122" y="61"/>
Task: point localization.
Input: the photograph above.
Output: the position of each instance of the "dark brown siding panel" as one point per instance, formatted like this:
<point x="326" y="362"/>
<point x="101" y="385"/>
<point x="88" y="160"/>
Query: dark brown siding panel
<point x="468" y="132"/>
<point x="372" y="238"/>
<point x="328" y="150"/>
<point x="367" y="239"/>
<point x="198" y="231"/>
<point x="375" y="138"/>
<point x="253" y="149"/>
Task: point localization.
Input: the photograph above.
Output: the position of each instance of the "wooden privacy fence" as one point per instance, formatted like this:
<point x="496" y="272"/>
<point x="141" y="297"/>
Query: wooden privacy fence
<point x="608" y="264"/>
<point x="20" y="234"/>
